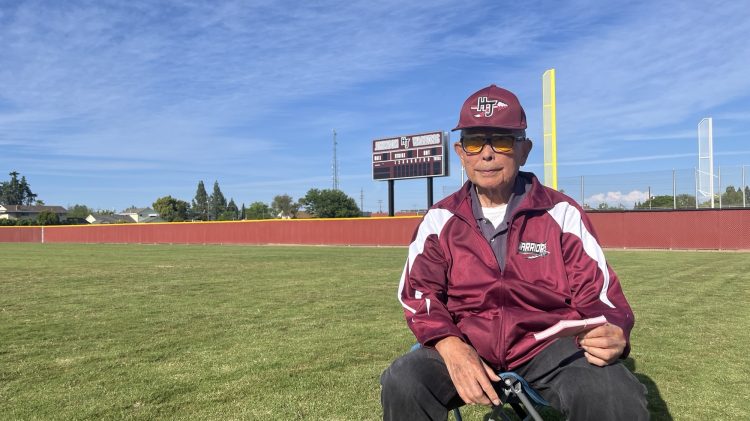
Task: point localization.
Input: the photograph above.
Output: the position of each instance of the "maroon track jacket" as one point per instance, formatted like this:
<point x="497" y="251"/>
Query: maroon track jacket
<point x="555" y="269"/>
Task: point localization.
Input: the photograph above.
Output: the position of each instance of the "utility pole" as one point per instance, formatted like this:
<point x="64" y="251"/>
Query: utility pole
<point x="335" y="166"/>
<point x="380" y="205"/>
<point x="362" y="199"/>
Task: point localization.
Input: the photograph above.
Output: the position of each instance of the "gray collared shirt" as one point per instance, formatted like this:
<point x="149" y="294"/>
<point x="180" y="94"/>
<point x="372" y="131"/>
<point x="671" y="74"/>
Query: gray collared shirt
<point x="498" y="237"/>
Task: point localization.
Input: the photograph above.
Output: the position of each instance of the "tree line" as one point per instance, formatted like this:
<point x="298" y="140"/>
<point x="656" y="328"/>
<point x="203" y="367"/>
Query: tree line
<point x="732" y="197"/>
<point x="317" y="203"/>
<point x="325" y="203"/>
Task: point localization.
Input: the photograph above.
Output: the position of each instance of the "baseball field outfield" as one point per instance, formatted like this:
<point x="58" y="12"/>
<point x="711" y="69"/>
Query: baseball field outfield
<point x="295" y="333"/>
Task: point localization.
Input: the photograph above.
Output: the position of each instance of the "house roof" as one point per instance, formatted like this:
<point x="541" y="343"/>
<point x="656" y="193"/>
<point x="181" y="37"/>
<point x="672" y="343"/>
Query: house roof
<point x="96" y="218"/>
<point x="137" y="210"/>
<point x="31" y="209"/>
<point x="149" y="219"/>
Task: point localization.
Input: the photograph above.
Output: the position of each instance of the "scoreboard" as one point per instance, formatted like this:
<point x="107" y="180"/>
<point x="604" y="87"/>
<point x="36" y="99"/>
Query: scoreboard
<point x="413" y="156"/>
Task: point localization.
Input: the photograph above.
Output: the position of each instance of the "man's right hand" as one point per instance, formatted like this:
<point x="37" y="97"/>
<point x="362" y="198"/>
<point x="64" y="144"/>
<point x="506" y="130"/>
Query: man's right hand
<point x="471" y="376"/>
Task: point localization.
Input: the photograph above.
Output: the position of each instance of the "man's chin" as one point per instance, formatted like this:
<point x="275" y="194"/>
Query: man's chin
<point x="489" y="185"/>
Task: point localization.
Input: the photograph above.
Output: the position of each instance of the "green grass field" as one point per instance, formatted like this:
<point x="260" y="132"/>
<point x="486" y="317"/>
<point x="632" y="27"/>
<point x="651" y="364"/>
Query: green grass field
<point x="288" y="333"/>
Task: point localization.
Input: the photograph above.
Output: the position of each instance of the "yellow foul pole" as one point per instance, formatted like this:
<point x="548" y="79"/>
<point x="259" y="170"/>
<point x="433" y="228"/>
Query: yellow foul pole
<point x="549" y="112"/>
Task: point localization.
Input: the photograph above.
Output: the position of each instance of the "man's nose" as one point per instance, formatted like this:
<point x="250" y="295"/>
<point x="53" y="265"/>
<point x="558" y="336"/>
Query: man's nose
<point x="487" y="153"/>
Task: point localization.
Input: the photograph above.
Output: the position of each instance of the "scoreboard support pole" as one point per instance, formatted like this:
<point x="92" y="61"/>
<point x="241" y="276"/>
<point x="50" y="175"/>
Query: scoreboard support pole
<point x="391" y="211"/>
<point x="429" y="192"/>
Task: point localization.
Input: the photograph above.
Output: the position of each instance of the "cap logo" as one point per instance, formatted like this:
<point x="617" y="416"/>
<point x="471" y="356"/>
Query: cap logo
<point x="487" y="106"/>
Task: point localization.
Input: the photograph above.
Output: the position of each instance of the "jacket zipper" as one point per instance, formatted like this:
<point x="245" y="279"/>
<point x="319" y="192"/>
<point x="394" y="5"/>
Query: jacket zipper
<point x="503" y="295"/>
<point x="501" y="351"/>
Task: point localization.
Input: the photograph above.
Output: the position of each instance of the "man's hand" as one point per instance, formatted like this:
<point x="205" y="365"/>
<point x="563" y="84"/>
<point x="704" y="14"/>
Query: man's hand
<point x="470" y="375"/>
<point x="603" y="345"/>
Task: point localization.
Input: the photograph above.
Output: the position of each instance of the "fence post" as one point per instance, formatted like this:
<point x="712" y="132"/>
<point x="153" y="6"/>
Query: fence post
<point x="695" y="172"/>
<point x="674" y="190"/>
<point x="719" y="180"/>
<point x="583" y="197"/>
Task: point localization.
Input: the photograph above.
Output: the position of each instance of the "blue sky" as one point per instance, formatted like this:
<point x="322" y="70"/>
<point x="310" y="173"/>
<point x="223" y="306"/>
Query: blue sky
<point x="112" y="104"/>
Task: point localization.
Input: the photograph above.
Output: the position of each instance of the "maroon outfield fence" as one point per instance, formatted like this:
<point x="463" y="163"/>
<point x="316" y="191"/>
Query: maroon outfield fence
<point x="725" y="229"/>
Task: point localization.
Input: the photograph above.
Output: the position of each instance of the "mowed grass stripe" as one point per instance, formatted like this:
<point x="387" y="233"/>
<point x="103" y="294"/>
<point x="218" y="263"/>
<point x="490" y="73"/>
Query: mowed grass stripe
<point x="240" y="332"/>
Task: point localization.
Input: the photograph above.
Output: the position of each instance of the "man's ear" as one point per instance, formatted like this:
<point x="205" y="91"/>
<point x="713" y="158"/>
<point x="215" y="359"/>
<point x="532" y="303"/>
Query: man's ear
<point x="524" y="152"/>
<point x="459" y="151"/>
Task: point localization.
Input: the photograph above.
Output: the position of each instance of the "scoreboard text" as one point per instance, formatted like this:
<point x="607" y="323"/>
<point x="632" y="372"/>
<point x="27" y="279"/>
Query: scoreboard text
<point x="419" y="155"/>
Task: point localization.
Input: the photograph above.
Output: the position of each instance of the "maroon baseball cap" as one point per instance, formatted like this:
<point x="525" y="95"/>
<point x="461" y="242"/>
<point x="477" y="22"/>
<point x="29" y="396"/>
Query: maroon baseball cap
<point x="492" y="107"/>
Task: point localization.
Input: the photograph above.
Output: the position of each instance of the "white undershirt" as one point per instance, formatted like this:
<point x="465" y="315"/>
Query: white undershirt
<point x="495" y="214"/>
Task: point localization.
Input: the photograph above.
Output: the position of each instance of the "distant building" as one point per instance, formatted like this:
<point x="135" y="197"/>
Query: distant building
<point x="96" y="218"/>
<point x="16" y="212"/>
<point x="140" y="215"/>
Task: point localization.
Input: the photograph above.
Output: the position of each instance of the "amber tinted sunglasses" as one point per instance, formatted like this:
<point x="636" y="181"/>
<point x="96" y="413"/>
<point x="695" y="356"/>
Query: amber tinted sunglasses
<point x="501" y="143"/>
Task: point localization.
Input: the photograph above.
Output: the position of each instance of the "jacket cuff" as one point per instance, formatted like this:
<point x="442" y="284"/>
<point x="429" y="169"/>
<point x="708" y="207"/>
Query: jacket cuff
<point x="433" y="337"/>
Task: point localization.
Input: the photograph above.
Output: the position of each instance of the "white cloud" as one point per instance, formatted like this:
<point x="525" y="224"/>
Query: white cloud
<point x="250" y="91"/>
<point x="666" y="62"/>
<point x="615" y="198"/>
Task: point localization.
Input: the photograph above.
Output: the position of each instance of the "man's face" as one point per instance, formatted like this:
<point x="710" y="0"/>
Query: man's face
<point x="489" y="169"/>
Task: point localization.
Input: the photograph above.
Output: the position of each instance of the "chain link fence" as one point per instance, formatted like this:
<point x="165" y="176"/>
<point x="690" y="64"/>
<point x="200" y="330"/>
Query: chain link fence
<point x="666" y="189"/>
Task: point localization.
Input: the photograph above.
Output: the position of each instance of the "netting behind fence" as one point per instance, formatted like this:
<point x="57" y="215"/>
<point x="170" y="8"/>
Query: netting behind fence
<point x="670" y="189"/>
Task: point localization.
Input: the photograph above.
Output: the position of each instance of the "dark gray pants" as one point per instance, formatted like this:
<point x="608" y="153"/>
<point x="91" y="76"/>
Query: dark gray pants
<point x="417" y="386"/>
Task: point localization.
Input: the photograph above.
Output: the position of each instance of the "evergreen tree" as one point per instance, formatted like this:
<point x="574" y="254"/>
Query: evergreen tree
<point x="15" y="192"/>
<point x="232" y="207"/>
<point x="217" y="203"/>
<point x="243" y="212"/>
<point x="200" y="203"/>
<point x="732" y="197"/>
<point x="26" y="193"/>
<point x="231" y="212"/>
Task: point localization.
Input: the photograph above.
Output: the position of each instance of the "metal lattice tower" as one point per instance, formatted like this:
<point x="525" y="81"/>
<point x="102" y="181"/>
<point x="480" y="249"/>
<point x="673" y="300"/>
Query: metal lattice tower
<point x="335" y="165"/>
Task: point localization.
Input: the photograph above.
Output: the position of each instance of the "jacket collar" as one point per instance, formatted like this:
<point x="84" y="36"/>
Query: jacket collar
<point x="536" y="197"/>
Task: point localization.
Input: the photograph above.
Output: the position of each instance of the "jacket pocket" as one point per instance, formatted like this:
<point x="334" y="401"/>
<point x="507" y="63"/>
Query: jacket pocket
<point x="483" y="333"/>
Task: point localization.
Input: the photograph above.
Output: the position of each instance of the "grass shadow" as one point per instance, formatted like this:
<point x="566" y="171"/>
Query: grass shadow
<point x="656" y="405"/>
